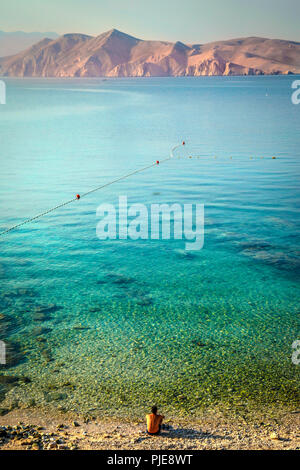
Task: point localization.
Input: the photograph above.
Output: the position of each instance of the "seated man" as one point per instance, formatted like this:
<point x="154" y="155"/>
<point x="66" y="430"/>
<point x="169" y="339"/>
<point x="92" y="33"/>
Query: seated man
<point x="154" y="421"/>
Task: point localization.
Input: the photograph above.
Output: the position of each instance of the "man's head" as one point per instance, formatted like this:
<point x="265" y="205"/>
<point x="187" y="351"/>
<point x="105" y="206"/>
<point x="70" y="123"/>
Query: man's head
<point x="154" y="410"/>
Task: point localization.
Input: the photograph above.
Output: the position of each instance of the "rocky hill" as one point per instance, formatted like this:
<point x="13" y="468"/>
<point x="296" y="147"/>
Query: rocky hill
<point x="116" y="54"/>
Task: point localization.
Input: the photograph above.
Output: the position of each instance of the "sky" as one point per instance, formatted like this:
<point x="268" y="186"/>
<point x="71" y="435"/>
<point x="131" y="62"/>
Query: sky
<point x="189" y="21"/>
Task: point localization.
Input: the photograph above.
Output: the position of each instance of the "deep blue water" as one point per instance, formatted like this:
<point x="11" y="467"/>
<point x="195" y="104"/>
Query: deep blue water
<point x="108" y="324"/>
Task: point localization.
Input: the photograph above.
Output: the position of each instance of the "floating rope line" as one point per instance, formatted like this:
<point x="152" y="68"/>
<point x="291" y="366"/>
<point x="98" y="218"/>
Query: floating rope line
<point x="174" y="148"/>
<point x="216" y="159"/>
<point x="78" y="196"/>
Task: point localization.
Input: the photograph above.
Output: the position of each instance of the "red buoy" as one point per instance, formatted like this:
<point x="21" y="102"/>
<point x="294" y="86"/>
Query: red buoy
<point x="183" y="143"/>
<point x="157" y="162"/>
<point x="78" y="196"/>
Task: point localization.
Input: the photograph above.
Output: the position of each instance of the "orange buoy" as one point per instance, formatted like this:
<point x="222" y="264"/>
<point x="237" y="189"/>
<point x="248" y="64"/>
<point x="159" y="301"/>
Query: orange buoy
<point x="157" y="162"/>
<point x="77" y="196"/>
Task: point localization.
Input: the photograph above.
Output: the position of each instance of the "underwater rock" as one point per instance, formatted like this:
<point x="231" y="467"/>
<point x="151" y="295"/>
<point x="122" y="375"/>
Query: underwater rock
<point x="2" y="271"/>
<point x="116" y="279"/>
<point x="140" y="296"/>
<point x="52" y="386"/>
<point x="42" y="312"/>
<point x="279" y="260"/>
<point x="183" y="254"/>
<point x="5" y="326"/>
<point x="80" y="327"/>
<point x="22" y="292"/>
<point x="9" y="324"/>
<point x="46" y="353"/>
<point x="120" y="295"/>
<point x="119" y="279"/>
<point x="144" y="301"/>
<point x="23" y="262"/>
<point x="51" y="308"/>
<point x="95" y="309"/>
<point x="41" y="330"/>
<point x="13" y="353"/>
<point x="40" y="339"/>
<point x="55" y="396"/>
<point x="8" y="295"/>
<point x="140" y="293"/>
<point x="198" y="343"/>
<point x="255" y="245"/>
<point x="202" y="344"/>
<point x="26" y="292"/>
<point x="8" y="380"/>
<point x="40" y="316"/>
<point x="25" y="380"/>
<point x="31" y="403"/>
<point x="69" y="385"/>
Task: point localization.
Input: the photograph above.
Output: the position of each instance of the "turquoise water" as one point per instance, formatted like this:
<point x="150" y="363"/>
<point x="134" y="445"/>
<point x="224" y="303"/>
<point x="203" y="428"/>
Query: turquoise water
<point x="105" y="326"/>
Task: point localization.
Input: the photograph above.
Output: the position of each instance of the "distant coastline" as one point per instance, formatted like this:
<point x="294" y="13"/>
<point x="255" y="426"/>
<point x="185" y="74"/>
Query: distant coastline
<point x="116" y="54"/>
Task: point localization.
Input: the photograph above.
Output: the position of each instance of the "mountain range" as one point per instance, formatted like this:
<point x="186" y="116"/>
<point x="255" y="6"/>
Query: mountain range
<point x="16" y="41"/>
<point x="116" y="54"/>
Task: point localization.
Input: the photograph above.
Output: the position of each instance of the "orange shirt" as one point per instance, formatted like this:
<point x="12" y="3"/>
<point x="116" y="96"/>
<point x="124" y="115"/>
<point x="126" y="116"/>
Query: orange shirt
<point x="153" y="422"/>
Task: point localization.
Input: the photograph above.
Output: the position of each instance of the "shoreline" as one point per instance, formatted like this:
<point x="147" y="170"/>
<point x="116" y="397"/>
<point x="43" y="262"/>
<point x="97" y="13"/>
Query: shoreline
<point x="32" y="429"/>
<point x="108" y="78"/>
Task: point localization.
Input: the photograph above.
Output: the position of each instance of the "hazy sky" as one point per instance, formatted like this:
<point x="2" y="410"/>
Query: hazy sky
<point x="194" y="21"/>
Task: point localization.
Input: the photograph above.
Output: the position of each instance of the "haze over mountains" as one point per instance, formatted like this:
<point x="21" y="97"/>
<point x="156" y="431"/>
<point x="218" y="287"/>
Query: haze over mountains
<point x="116" y="54"/>
<point x="16" y="41"/>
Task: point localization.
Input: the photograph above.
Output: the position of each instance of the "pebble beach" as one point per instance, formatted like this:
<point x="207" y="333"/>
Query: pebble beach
<point x="32" y="430"/>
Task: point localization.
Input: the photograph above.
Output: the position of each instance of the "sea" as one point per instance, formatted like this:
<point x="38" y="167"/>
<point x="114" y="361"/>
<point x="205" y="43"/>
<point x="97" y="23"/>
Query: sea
<point x="114" y="326"/>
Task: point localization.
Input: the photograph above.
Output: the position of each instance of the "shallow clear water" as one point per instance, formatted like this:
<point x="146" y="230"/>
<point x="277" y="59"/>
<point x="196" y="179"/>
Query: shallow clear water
<point x="107" y="325"/>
